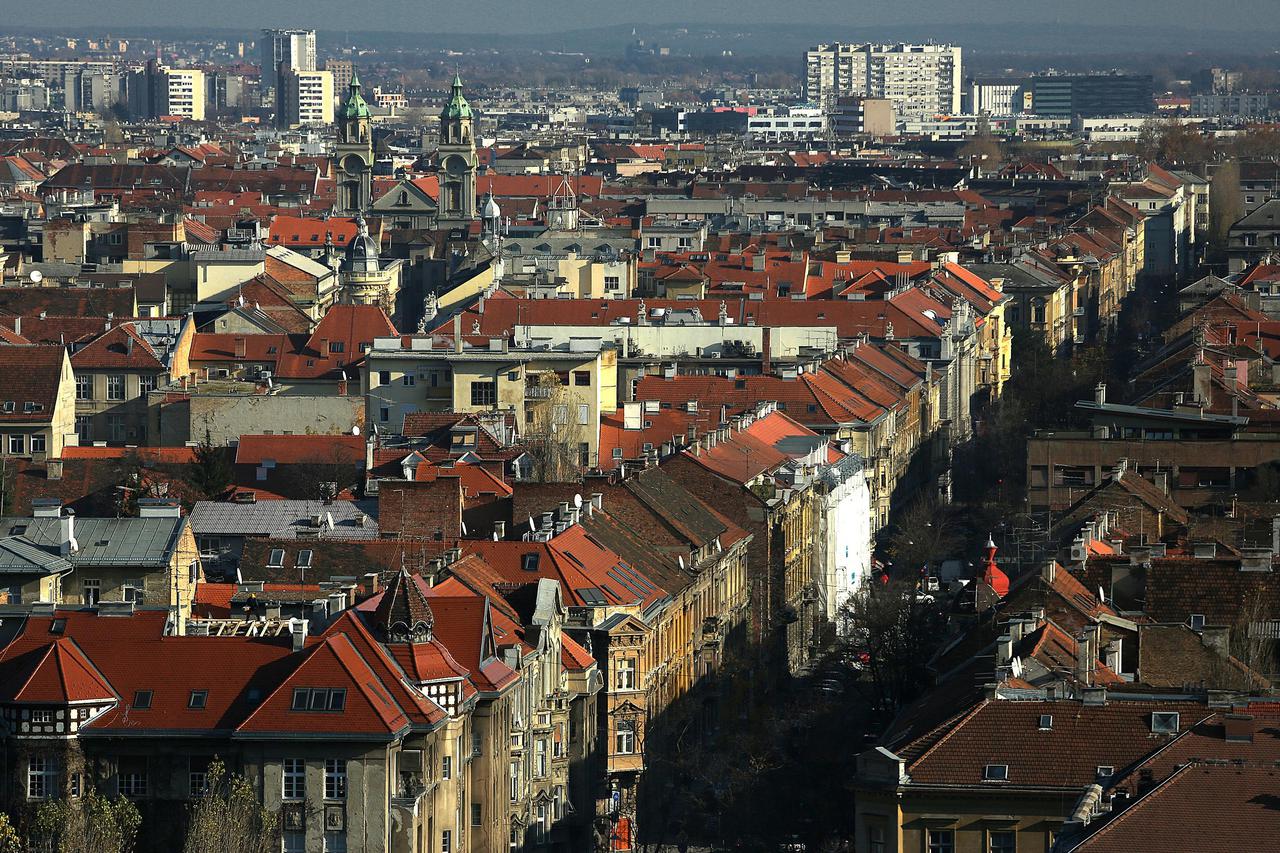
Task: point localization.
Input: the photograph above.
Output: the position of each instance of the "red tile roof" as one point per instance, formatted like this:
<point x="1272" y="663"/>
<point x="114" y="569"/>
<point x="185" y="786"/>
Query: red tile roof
<point x="30" y="375"/>
<point x="291" y="449"/>
<point x="59" y="673"/>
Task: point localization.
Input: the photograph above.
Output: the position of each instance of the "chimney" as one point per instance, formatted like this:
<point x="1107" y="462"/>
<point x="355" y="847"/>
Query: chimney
<point x="1275" y="534"/>
<point x="53" y="469"/>
<point x="757" y="262"/>
<point x="1085" y="657"/>
<point x="17" y="325"/>
<point x="1238" y="727"/>
<point x="457" y="333"/>
<point x="1004" y="650"/>
<point x="765" y="348"/>
<point x="597" y="500"/>
<point x="1112" y="654"/>
<point x="499" y="531"/>
<point x="324" y="347"/>
<point x="298" y="633"/>
<point x="240" y="348"/>
<point x="1100" y="393"/>
<point x="67" y="533"/>
<point x="1202" y="382"/>
<point x="1050" y="571"/>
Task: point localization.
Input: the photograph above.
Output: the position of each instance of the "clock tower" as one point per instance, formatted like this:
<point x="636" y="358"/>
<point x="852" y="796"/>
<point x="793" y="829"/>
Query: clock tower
<point x="353" y="155"/>
<point x="457" y="157"/>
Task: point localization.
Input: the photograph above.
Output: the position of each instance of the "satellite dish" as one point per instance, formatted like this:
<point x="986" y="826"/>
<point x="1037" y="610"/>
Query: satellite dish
<point x="1016" y="666"/>
<point x="240" y="300"/>
<point x="1102" y="599"/>
<point x="532" y="527"/>
<point x="577" y="500"/>
<point x="464" y="528"/>
<point x="681" y="559"/>
<point x="495" y="536"/>
<point x="355" y="430"/>
<point x="36" y="276"/>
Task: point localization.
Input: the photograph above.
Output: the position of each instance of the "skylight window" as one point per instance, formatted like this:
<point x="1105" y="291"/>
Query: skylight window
<point x="319" y="699"/>
<point x="277" y="559"/>
<point x="1046" y="722"/>
<point x="198" y="700"/>
<point x="1164" y="722"/>
<point x="996" y="773"/>
<point x="304" y="559"/>
<point x="142" y="700"/>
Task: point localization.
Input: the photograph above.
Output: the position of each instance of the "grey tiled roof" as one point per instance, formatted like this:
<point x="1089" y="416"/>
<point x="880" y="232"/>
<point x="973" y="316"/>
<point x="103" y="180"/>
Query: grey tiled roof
<point x="284" y="519"/>
<point x="103" y="541"/>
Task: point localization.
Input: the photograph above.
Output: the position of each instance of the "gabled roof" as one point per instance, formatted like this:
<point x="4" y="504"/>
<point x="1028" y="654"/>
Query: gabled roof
<point x="332" y="663"/>
<point x="56" y="674"/>
<point x="30" y="378"/>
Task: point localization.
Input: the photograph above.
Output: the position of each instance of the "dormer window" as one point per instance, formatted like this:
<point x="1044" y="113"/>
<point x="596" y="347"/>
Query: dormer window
<point x="1046" y="722"/>
<point x="996" y="773"/>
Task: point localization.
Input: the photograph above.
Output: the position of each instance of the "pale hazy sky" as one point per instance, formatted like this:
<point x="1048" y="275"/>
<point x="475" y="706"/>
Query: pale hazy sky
<point x="513" y="16"/>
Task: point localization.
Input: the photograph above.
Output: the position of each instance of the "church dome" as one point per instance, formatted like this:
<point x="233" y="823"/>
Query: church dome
<point x="362" y="251"/>
<point x="491" y="210"/>
<point x="457" y="106"/>
<point x="356" y="106"/>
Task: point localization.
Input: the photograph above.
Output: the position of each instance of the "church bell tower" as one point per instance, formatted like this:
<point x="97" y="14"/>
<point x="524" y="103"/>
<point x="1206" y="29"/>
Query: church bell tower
<point x="457" y="157"/>
<point x="353" y="155"/>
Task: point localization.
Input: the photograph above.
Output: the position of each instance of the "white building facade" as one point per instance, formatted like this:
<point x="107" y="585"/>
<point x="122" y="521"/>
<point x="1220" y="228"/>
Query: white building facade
<point x="920" y="79"/>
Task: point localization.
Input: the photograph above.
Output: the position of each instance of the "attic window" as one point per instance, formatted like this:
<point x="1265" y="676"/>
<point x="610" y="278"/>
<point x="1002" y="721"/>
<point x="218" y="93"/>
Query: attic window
<point x="529" y="562"/>
<point x="1197" y="621"/>
<point x="996" y="773"/>
<point x="1164" y="722"/>
<point x="304" y="559"/>
<point x="1046" y="722"/>
<point x="58" y="626"/>
<point x="142" y="700"/>
<point x="198" y="700"/>
<point x="319" y="699"/>
<point x="1106" y="771"/>
<point x="9" y="405"/>
<point x="277" y="559"/>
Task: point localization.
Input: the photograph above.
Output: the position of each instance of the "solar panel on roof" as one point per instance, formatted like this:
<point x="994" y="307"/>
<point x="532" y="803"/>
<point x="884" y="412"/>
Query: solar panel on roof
<point x="640" y="579"/>
<point x="620" y="579"/>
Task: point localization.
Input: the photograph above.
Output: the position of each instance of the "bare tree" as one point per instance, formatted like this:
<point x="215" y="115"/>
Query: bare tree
<point x="553" y="436"/>
<point x="897" y="631"/>
<point x="227" y="817"/>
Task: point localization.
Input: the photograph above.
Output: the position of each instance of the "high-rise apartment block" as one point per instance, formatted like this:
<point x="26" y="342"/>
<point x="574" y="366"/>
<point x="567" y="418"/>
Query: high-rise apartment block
<point x="920" y="79"/>
<point x="295" y="48"/>
<point x="284" y="49"/>
<point x="158" y="90"/>
<point x="182" y="93"/>
<point x="306" y="98"/>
